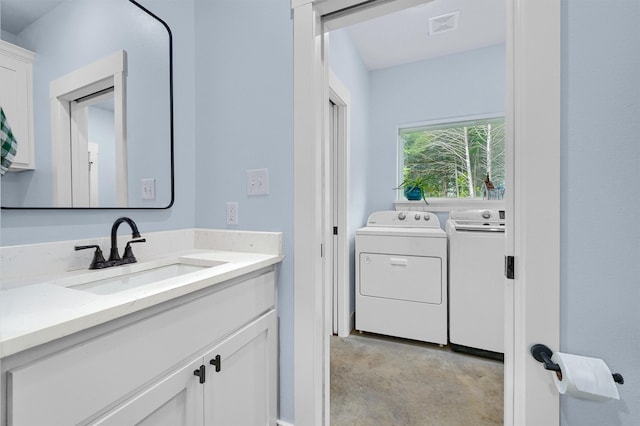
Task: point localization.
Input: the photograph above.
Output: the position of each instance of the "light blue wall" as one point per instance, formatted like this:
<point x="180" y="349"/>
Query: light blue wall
<point x="244" y="120"/>
<point x="32" y="226"/>
<point x="465" y="84"/>
<point x="7" y="36"/>
<point x="600" y="241"/>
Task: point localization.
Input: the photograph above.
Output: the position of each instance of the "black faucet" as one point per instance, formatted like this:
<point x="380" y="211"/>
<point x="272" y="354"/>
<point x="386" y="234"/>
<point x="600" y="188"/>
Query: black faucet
<point x="98" y="261"/>
<point x="128" y="256"/>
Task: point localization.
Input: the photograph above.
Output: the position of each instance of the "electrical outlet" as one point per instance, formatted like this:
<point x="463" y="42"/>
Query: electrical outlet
<point x="258" y="182"/>
<point x="148" y="189"/>
<point x="232" y="213"/>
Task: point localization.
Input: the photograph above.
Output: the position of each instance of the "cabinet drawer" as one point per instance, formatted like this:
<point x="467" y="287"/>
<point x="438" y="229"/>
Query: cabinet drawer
<point x="80" y="382"/>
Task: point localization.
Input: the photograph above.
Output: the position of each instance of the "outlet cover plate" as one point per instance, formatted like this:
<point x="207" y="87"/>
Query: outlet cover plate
<point x="232" y="213"/>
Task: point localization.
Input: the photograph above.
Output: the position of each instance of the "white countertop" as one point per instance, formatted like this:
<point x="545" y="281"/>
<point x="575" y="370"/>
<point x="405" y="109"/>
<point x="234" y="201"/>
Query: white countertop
<point x="44" y="310"/>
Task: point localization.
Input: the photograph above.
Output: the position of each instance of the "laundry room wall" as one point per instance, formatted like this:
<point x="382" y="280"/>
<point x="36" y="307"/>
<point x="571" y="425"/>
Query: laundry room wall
<point x="600" y="159"/>
<point x="446" y="88"/>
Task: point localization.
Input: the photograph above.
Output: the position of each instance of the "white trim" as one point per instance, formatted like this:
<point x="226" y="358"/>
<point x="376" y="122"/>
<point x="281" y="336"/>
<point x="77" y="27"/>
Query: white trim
<point x="100" y="75"/>
<point x="447" y="204"/>
<point x="283" y="423"/>
<point x="342" y="99"/>
<point x="310" y="348"/>
<point x="360" y="13"/>
<point x="535" y="291"/>
<point x="457" y="119"/>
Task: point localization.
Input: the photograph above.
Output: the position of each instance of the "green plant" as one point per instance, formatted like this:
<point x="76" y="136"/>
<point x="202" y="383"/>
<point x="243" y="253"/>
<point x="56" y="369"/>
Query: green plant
<point x="411" y="183"/>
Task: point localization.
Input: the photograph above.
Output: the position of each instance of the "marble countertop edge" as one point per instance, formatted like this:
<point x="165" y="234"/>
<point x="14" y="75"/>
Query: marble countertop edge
<point x="36" y="326"/>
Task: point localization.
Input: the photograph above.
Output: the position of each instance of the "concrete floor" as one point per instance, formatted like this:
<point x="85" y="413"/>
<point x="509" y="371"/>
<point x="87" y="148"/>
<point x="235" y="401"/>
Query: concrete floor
<point x="377" y="380"/>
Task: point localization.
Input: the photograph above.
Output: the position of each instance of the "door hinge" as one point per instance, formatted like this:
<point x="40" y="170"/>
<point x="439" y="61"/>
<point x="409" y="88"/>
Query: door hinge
<point x="509" y="267"/>
<point x="335" y="230"/>
<point x="321" y="250"/>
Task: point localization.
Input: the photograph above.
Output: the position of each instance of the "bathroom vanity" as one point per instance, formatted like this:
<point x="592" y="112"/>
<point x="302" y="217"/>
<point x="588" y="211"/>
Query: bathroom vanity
<point x="181" y="338"/>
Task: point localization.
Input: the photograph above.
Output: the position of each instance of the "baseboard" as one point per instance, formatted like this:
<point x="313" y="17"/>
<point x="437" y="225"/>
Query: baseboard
<point x="283" y="423"/>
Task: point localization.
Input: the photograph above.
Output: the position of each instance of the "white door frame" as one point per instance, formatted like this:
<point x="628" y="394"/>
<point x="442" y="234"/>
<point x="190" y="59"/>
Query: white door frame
<point x="340" y="96"/>
<point x="102" y="74"/>
<point x="533" y="234"/>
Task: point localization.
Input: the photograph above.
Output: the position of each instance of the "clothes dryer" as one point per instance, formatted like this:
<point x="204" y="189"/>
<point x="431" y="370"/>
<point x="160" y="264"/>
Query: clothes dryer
<point x="401" y="276"/>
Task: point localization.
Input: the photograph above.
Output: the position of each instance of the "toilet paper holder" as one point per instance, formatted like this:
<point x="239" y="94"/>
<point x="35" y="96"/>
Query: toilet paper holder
<point x="543" y="354"/>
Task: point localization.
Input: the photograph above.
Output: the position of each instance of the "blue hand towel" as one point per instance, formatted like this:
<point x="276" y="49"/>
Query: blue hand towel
<point x="9" y="143"/>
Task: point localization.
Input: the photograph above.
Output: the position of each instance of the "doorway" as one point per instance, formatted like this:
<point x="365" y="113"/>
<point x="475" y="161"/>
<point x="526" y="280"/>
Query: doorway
<point x="338" y="269"/>
<point x="397" y="82"/>
<point x="533" y="98"/>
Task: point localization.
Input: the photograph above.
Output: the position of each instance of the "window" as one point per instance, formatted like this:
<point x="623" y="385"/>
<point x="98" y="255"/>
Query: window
<point x="456" y="160"/>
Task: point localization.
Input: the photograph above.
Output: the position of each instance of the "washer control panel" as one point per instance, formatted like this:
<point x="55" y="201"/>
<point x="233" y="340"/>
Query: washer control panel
<point x="409" y="219"/>
<point x="478" y="215"/>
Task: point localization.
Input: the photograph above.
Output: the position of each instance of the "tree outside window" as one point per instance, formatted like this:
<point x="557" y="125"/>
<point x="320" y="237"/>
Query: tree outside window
<point x="456" y="158"/>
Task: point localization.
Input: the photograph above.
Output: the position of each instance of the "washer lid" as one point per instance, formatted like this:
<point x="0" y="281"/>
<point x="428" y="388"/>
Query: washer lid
<point x="402" y="232"/>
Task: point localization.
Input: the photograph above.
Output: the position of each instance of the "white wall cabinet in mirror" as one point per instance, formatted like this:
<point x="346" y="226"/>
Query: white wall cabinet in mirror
<point x="69" y="38"/>
<point x="16" y="99"/>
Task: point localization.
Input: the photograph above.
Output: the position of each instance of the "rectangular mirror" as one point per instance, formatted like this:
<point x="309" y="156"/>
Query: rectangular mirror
<point x="102" y="105"/>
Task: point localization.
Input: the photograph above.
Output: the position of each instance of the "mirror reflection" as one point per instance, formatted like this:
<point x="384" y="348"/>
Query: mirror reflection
<point x="100" y="97"/>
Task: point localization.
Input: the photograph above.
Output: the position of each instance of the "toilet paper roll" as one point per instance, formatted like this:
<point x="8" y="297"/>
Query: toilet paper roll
<point x="584" y="377"/>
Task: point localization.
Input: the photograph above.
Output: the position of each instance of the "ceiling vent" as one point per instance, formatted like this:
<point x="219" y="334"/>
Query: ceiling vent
<point x="443" y="23"/>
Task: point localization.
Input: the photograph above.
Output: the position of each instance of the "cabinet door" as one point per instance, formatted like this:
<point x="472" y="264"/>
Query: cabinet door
<point x="243" y="392"/>
<point x="176" y="400"/>
<point x="15" y="99"/>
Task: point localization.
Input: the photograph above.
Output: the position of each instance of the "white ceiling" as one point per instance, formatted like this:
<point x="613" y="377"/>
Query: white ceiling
<point x="403" y="37"/>
<point x="18" y="14"/>
<point x="391" y="40"/>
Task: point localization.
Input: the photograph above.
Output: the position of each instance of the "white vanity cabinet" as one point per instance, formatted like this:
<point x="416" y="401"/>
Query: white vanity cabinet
<point x="16" y="99"/>
<point x="239" y="392"/>
<point x="142" y="370"/>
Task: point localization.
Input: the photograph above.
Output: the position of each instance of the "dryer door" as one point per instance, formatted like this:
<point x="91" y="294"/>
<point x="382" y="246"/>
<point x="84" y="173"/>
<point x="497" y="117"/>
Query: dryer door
<point x="401" y="277"/>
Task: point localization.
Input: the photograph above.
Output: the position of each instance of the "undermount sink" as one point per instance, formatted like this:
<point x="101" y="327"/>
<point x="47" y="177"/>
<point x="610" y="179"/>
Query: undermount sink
<point x="137" y="275"/>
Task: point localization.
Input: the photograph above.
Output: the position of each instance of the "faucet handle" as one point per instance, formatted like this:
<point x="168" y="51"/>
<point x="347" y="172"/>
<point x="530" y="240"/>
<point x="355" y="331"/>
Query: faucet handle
<point x="98" y="261"/>
<point x="128" y="256"/>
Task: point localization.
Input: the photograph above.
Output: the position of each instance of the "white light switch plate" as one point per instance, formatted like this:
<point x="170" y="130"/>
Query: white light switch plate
<point x="258" y="182"/>
<point x="148" y="189"/>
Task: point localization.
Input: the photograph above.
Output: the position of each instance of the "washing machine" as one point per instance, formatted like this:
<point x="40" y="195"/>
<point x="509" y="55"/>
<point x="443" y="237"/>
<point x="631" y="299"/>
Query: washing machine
<point x="401" y="276"/>
<point x="476" y="280"/>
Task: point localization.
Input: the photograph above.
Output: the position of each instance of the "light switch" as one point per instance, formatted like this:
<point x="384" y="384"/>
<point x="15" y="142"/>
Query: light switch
<point x="258" y="182"/>
<point x="148" y="189"/>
